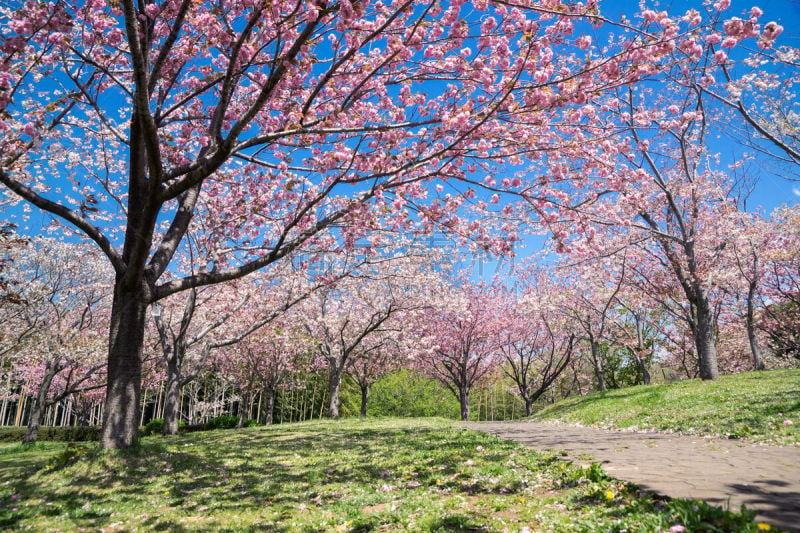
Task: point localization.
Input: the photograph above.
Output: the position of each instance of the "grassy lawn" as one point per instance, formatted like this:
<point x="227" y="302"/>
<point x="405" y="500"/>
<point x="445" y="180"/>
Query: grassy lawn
<point x="759" y="406"/>
<point x="375" y="475"/>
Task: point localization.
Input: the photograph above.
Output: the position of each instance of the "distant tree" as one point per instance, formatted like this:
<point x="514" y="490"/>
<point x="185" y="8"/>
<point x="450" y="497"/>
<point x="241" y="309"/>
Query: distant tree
<point x="461" y="335"/>
<point x="55" y="322"/>
<point x="535" y="339"/>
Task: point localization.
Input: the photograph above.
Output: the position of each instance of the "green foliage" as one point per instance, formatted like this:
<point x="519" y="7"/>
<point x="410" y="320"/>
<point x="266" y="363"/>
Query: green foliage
<point x="353" y="475"/>
<point x="57" y="434"/>
<point x="762" y="406"/>
<point x="620" y="367"/>
<point x="156" y="426"/>
<point x="228" y="422"/>
<point x="406" y="393"/>
<point x="782" y="325"/>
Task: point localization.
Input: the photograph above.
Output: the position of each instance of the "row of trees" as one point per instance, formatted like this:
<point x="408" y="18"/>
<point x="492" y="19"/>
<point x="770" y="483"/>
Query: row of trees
<point x="584" y="322"/>
<point x="195" y="145"/>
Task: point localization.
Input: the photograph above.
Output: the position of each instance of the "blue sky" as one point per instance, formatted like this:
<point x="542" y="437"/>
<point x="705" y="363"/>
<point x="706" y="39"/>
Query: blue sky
<point x="772" y="188"/>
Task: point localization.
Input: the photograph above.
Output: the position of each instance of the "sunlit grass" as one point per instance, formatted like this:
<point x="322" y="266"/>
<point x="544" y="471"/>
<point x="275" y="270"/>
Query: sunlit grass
<point x="384" y="475"/>
<point x="759" y="406"/>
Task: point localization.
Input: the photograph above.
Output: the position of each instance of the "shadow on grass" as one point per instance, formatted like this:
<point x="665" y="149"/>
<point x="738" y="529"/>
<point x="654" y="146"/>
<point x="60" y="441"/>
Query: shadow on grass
<point x="231" y="471"/>
<point x="179" y="483"/>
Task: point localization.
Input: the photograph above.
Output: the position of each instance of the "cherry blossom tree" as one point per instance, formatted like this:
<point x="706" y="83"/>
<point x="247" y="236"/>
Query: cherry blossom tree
<point x="278" y="120"/>
<point x="760" y="89"/>
<point x="461" y="340"/>
<point x="534" y="339"/>
<point x="9" y="244"/>
<point x="354" y="317"/>
<point x="752" y="235"/>
<point x="216" y="317"/>
<point x="263" y="360"/>
<point x="55" y="322"/>
<point x="384" y="352"/>
<point x="592" y="288"/>
<point x="781" y="285"/>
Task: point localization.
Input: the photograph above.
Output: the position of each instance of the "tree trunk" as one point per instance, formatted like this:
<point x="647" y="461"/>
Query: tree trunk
<point x="270" y="407"/>
<point x="334" y="382"/>
<point x="704" y="340"/>
<point x="242" y="411"/>
<point x="643" y="367"/>
<point x="645" y="372"/>
<point x="758" y="363"/>
<point x="598" y="366"/>
<point x="39" y="405"/>
<point x="528" y="406"/>
<point x="172" y="412"/>
<point x="463" y="399"/>
<point x="364" y="399"/>
<point x="126" y="338"/>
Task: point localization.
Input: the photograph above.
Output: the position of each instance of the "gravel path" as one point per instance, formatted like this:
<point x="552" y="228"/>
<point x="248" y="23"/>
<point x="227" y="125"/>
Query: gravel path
<point x="723" y="472"/>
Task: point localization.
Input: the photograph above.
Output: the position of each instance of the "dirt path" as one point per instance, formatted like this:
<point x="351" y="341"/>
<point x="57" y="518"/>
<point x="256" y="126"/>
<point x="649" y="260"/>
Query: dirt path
<point x="723" y="472"/>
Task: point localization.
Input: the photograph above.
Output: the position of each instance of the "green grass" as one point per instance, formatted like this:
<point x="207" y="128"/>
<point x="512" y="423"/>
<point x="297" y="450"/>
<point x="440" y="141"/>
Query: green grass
<point x="751" y="405"/>
<point x="375" y="475"/>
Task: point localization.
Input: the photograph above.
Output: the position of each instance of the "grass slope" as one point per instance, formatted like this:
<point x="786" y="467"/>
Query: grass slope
<point x="376" y="475"/>
<point x="760" y="406"/>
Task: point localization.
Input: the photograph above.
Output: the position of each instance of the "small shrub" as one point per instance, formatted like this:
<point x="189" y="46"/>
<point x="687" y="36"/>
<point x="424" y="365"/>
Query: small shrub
<point x="154" y="427"/>
<point x="228" y="422"/>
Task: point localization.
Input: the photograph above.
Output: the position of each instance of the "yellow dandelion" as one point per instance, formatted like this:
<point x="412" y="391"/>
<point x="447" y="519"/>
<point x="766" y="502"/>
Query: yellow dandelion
<point x="763" y="526"/>
<point x="610" y="495"/>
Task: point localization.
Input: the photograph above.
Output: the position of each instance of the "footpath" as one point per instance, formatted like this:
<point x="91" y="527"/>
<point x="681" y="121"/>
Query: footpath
<point x="723" y="472"/>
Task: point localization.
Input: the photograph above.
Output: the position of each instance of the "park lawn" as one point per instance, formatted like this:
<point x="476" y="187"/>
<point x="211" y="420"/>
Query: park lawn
<point x="759" y="406"/>
<point x="352" y="475"/>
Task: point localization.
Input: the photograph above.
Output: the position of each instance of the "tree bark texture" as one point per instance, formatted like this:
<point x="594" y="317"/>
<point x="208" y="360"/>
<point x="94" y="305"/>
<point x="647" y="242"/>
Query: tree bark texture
<point x="172" y="412"/>
<point x="334" y="383"/>
<point x="126" y="339"/>
<point x="39" y="405"/>
<point x="598" y="366"/>
<point x="463" y="399"/>
<point x="364" y="400"/>
<point x="704" y="340"/>
<point x="270" y="406"/>
<point x="758" y="362"/>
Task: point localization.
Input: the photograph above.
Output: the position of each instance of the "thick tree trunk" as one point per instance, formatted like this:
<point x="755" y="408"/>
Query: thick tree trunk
<point x="270" y="407"/>
<point x="598" y="366"/>
<point x="704" y="340"/>
<point x="126" y="338"/>
<point x="364" y="399"/>
<point x="334" y="383"/>
<point x="758" y="363"/>
<point x="463" y="399"/>
<point x="528" y="406"/>
<point x="172" y="413"/>
<point x="39" y="406"/>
